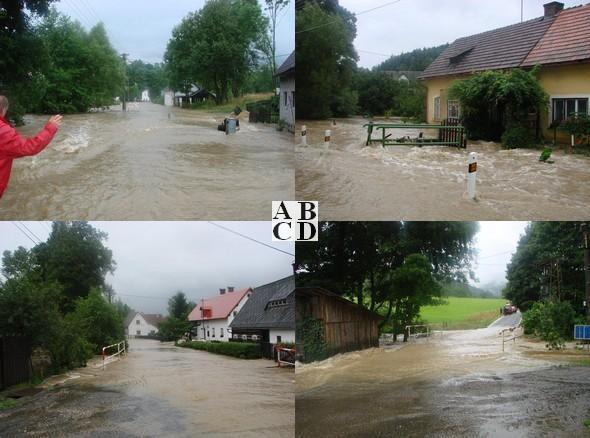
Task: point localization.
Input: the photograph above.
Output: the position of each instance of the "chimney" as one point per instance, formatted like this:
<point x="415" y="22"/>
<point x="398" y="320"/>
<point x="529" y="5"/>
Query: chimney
<point x="221" y="291"/>
<point x="230" y="288"/>
<point x="552" y="9"/>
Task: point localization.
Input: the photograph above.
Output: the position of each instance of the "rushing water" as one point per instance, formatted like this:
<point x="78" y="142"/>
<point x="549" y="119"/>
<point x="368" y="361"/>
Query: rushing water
<point x="459" y="384"/>
<point x="152" y="162"/>
<point x="159" y="390"/>
<point x="354" y="182"/>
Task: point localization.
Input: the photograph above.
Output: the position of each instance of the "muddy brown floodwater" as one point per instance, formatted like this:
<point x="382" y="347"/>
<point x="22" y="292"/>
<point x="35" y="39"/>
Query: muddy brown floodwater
<point x="162" y="390"/>
<point x="354" y="182"/>
<point x="458" y="384"/>
<point x="152" y="162"/>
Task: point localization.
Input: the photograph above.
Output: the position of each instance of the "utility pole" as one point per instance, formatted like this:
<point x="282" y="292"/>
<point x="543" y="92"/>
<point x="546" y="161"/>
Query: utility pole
<point x="521" y="11"/>
<point x="124" y="101"/>
<point x="586" y="270"/>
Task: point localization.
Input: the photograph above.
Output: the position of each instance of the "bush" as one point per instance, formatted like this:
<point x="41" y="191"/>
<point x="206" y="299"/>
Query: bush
<point x="311" y="334"/>
<point x="553" y="322"/>
<point x="240" y="350"/>
<point x="517" y="137"/>
<point x="173" y="329"/>
<point x="579" y="126"/>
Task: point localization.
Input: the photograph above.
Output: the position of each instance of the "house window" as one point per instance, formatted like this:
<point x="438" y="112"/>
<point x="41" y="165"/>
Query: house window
<point x="285" y="98"/>
<point x="453" y="111"/>
<point x="235" y="312"/>
<point x="221" y="332"/>
<point x="563" y="108"/>
<point x="138" y="332"/>
<point x="213" y="332"/>
<point x="293" y="99"/>
<point x="137" y="322"/>
<point x="278" y="339"/>
<point x="436" y="114"/>
<point x="208" y="335"/>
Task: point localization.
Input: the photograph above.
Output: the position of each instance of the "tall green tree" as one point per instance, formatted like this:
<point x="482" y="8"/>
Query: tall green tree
<point x="326" y="60"/>
<point x="273" y="8"/>
<point x="391" y="267"/>
<point x="179" y="306"/>
<point x="547" y="265"/>
<point x="75" y="256"/>
<point x="216" y="47"/>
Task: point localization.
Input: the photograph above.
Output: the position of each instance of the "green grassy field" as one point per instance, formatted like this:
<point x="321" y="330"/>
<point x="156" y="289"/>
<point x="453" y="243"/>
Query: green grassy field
<point x="463" y="313"/>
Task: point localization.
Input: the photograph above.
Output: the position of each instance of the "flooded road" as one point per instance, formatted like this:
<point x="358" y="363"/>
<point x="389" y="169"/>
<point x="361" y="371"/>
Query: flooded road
<point x="459" y="384"/>
<point x="153" y="162"/>
<point x="354" y="182"/>
<point x="162" y="390"/>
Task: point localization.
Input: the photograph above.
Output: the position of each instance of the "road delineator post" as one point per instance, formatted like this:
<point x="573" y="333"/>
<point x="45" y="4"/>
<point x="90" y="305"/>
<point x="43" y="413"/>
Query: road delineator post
<point x="472" y="176"/>
<point x="327" y="138"/>
<point x="304" y="135"/>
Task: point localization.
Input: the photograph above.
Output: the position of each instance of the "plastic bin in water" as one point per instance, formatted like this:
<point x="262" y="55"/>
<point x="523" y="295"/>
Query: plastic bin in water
<point x="230" y="126"/>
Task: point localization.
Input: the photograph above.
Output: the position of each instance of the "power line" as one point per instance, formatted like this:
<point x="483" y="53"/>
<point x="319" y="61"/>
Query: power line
<point x="22" y="231"/>
<point x="30" y="231"/>
<point x="494" y="255"/>
<point x="250" y="238"/>
<point x="354" y="14"/>
<point x="374" y="53"/>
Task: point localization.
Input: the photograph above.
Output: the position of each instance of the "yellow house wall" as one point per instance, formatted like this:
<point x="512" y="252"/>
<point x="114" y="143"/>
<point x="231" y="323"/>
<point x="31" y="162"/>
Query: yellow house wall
<point x="562" y="82"/>
<point x="558" y="82"/>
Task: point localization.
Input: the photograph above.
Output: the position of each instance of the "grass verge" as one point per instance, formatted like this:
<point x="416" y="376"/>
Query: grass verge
<point x="241" y="350"/>
<point x="7" y="403"/>
<point x="463" y="313"/>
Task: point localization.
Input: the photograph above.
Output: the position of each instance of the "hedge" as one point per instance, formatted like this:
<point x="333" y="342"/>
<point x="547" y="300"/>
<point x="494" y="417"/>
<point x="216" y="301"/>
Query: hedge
<point x="235" y="349"/>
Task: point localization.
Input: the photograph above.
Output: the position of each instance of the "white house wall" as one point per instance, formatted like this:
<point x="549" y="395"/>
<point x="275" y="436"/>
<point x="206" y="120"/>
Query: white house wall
<point x="141" y="328"/>
<point x="221" y="323"/>
<point x="287" y="107"/>
<point x="286" y="336"/>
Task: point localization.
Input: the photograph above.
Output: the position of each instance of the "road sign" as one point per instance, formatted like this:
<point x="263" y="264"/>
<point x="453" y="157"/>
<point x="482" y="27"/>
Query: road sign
<point x="582" y="332"/>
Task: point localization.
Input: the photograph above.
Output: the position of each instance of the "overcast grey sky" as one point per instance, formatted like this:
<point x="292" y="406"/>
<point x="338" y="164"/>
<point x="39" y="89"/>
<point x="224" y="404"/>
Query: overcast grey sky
<point x="413" y="24"/>
<point x="155" y="259"/>
<point x="143" y="28"/>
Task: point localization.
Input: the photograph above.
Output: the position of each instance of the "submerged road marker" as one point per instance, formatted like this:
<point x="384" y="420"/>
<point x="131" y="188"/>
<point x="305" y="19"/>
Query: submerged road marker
<point x="327" y="138"/>
<point x="472" y="176"/>
<point x="304" y="135"/>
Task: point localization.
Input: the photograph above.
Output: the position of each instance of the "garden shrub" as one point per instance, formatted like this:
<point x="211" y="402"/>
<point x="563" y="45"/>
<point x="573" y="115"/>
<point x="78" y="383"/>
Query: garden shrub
<point x="579" y="126"/>
<point x="242" y="350"/>
<point x="517" y="137"/>
<point x="552" y="321"/>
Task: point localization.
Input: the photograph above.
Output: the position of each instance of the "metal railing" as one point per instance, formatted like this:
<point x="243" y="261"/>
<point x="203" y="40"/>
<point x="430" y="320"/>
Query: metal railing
<point x="286" y="356"/>
<point x="514" y="337"/>
<point x="409" y="329"/>
<point x="120" y="351"/>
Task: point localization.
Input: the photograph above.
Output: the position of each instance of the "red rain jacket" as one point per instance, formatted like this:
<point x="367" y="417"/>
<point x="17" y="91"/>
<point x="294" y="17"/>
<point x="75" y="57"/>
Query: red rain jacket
<point x="12" y="146"/>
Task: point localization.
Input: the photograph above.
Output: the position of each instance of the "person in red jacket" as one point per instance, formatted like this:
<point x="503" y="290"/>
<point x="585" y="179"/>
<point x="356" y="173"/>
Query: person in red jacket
<point x="12" y="145"/>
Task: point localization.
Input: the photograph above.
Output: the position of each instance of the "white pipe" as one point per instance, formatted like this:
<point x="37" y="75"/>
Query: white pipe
<point x="472" y="176"/>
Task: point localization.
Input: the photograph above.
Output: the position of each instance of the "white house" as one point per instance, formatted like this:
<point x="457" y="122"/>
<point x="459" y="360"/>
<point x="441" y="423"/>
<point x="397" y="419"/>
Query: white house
<point x="145" y="96"/>
<point x="142" y="324"/>
<point x="212" y="317"/>
<point x="286" y="75"/>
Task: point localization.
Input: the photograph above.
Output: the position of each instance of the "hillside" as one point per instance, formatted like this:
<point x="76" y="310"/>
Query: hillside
<point x="416" y="60"/>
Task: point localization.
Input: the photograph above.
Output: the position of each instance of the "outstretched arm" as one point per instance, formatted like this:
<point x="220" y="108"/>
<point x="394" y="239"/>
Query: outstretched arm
<point x="13" y="145"/>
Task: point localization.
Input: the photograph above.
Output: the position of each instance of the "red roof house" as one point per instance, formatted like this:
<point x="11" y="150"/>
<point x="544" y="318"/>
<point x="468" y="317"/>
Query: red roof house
<point x="212" y="316"/>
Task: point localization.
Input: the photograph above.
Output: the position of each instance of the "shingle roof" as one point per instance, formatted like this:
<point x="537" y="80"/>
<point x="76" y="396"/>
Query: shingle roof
<point x="153" y="319"/>
<point x="221" y="305"/>
<point x="502" y="48"/>
<point x="567" y="40"/>
<point x="287" y="66"/>
<point x="258" y="314"/>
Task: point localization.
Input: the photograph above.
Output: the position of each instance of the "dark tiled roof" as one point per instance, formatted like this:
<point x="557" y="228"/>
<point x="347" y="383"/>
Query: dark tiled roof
<point x="502" y="48"/>
<point x="567" y="40"/>
<point x="257" y="314"/>
<point x="288" y="66"/>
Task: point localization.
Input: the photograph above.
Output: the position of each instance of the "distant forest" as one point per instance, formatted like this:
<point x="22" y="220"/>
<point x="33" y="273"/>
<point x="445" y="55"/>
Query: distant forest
<point x="416" y="60"/>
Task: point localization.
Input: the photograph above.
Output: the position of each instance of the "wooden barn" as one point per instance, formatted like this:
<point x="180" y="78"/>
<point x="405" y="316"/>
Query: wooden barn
<point x="346" y="325"/>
